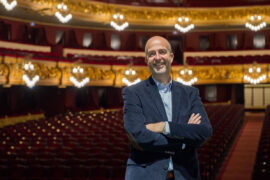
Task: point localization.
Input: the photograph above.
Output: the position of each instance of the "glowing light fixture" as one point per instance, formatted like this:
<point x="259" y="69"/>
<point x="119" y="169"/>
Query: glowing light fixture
<point x="30" y="82"/>
<point x="7" y="5"/>
<point x="63" y="14"/>
<point x="79" y="84"/>
<point x="183" y="25"/>
<point x="255" y="23"/>
<point x="254" y="75"/>
<point x="187" y="76"/>
<point x="130" y="76"/>
<point x="78" y="78"/>
<point x="29" y="76"/>
<point x="118" y="22"/>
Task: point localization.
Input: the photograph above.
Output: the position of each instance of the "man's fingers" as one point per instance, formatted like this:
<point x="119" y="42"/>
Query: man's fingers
<point x="197" y="120"/>
<point x="194" y="119"/>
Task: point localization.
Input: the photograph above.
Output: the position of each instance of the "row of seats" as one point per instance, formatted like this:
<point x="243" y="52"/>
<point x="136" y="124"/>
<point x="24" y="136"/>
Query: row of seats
<point x="93" y="145"/>
<point x="72" y="145"/>
<point x="226" y="121"/>
<point x="262" y="164"/>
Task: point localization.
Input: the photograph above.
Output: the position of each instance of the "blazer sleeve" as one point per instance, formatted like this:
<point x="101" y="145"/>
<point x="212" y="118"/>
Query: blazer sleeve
<point x="193" y="134"/>
<point x="134" y="123"/>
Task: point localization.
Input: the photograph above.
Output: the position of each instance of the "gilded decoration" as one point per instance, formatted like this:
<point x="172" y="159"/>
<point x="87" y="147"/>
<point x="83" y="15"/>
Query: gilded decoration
<point x="48" y="71"/>
<point x="58" y="74"/>
<point x="149" y="16"/>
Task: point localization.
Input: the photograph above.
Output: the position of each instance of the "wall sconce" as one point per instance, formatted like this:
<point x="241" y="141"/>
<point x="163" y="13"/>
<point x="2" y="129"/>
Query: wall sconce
<point x="254" y="75"/>
<point x="130" y="76"/>
<point x="118" y="22"/>
<point x="78" y="77"/>
<point x="30" y="75"/>
<point x="183" y="24"/>
<point x="187" y="76"/>
<point x="62" y="13"/>
<point x="255" y="23"/>
<point x="7" y="5"/>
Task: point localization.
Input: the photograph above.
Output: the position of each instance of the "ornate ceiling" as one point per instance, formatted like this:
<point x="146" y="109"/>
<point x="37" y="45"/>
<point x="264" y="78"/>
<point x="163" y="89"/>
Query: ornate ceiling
<point x="142" y="16"/>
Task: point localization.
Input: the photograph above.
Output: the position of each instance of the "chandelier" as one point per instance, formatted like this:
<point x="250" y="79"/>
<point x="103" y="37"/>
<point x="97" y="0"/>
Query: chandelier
<point x="254" y="75"/>
<point x="255" y="23"/>
<point x="118" y="22"/>
<point x="78" y="77"/>
<point x="130" y="76"/>
<point x="187" y="76"/>
<point x="183" y="25"/>
<point x="30" y="76"/>
<point x="7" y="5"/>
<point x="62" y="13"/>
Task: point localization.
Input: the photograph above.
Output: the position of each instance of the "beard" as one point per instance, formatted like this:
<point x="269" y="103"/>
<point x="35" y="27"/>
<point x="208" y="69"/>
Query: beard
<point x="159" y="68"/>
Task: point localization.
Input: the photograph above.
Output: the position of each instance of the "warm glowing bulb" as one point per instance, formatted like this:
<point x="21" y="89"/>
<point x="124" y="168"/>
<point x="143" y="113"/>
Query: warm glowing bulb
<point x="26" y="66"/>
<point x="182" y="72"/>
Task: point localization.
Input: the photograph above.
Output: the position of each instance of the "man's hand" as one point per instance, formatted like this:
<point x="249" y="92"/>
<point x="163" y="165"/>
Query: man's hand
<point x="194" y="119"/>
<point x="156" y="127"/>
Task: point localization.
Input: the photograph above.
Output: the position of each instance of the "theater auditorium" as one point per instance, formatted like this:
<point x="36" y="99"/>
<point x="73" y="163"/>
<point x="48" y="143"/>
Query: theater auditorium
<point x="65" y="63"/>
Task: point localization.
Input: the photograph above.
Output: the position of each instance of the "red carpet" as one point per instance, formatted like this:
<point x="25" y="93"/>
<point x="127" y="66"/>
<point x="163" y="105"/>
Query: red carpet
<point x="240" y="162"/>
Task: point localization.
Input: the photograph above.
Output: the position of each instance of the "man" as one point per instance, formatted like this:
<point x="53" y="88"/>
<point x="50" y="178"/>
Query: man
<point x="165" y="121"/>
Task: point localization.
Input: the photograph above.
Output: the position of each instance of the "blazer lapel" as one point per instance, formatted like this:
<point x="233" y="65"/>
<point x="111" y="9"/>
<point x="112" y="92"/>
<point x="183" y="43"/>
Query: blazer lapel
<point x="153" y="93"/>
<point x="177" y="100"/>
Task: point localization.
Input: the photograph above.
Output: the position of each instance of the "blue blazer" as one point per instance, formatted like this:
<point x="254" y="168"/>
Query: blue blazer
<point x="150" y="151"/>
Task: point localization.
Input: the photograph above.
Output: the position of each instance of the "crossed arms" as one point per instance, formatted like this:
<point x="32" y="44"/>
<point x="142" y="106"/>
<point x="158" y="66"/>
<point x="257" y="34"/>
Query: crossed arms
<point x="150" y="136"/>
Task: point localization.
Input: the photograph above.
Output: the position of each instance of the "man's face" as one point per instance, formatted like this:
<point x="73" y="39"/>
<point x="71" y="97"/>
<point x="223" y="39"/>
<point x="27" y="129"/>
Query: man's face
<point x="158" y="57"/>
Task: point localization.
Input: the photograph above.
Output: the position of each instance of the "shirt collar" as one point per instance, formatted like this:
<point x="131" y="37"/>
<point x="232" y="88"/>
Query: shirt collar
<point x="161" y="86"/>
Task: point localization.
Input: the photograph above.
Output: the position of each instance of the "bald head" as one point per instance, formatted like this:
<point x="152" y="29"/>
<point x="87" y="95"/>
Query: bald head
<point x="157" y="39"/>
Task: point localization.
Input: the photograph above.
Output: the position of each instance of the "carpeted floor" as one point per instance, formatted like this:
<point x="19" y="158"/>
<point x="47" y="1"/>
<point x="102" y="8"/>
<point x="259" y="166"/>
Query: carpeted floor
<point x="240" y="162"/>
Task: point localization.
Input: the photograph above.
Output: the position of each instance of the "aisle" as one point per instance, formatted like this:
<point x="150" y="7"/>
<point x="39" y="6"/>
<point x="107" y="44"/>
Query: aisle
<point x="240" y="162"/>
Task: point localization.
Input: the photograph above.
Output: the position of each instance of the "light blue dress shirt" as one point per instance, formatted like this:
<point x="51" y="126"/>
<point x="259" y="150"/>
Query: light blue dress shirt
<point x="166" y="96"/>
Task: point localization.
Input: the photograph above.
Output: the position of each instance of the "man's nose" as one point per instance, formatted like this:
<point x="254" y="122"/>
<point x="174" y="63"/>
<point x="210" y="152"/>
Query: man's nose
<point x="157" y="56"/>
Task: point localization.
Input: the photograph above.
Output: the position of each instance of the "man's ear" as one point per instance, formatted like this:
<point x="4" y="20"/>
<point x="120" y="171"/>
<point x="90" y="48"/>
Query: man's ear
<point x="172" y="56"/>
<point x="145" y="60"/>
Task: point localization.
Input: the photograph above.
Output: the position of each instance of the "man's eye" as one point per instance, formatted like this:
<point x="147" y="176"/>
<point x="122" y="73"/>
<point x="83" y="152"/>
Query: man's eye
<point x="163" y="51"/>
<point x="151" y="54"/>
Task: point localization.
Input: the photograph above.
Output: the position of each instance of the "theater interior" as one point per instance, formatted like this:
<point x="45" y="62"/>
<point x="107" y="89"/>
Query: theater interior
<point x="64" y="64"/>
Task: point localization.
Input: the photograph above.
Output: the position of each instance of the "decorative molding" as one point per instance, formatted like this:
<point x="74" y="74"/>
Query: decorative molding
<point x="149" y="16"/>
<point x="52" y="74"/>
